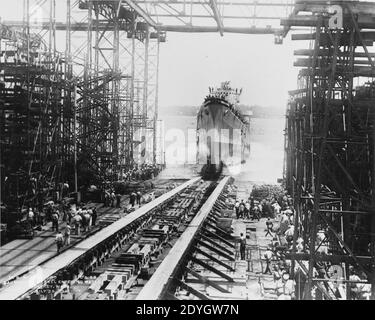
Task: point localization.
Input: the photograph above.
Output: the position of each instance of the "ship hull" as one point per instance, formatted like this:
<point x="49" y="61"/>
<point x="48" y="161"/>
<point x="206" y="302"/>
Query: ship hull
<point x="222" y="137"/>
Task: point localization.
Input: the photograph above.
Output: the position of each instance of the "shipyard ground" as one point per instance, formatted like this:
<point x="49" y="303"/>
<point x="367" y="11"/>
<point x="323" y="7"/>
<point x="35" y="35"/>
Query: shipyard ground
<point x="23" y="256"/>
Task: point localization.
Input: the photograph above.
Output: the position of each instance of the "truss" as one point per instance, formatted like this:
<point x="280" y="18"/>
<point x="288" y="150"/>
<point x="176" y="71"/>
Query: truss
<point x="330" y="141"/>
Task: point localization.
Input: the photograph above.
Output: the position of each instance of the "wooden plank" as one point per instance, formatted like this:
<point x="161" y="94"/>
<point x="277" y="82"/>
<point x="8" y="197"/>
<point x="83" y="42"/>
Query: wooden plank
<point x="216" y="250"/>
<point x="218" y="229"/>
<point x="205" y="280"/>
<point x="217" y="245"/>
<point x="197" y="293"/>
<point x="197" y="250"/>
<point x="212" y="234"/>
<point x="213" y="269"/>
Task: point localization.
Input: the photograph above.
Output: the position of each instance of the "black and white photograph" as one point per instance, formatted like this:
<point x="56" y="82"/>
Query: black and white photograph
<point x="187" y="156"/>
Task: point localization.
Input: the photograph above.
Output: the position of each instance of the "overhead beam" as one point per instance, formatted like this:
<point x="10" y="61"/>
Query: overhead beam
<point x="203" y="29"/>
<point x="141" y="12"/>
<point x="82" y="26"/>
<point x="221" y="3"/>
<point x="217" y="16"/>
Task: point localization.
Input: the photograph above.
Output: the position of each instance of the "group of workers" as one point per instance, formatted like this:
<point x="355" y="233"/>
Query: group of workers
<point x="112" y="199"/>
<point x="77" y="218"/>
<point x="142" y="172"/>
<point x="280" y="226"/>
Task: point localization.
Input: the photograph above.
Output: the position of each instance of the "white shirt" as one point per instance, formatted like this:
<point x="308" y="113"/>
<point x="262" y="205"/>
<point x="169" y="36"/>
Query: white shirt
<point x="290" y="232"/>
<point x="268" y="254"/>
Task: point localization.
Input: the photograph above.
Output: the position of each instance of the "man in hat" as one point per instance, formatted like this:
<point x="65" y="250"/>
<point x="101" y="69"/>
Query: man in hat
<point x="67" y="234"/>
<point x="139" y="197"/>
<point x="268" y="256"/>
<point x="59" y="241"/>
<point x="133" y="196"/>
<point x="118" y="200"/>
<point x="30" y="217"/>
<point x="241" y="210"/>
<point x="94" y="216"/>
<point x="55" y="220"/>
<point x="247" y="210"/>
<point x="242" y="246"/>
<point x="269" y="226"/>
<point x="237" y="208"/>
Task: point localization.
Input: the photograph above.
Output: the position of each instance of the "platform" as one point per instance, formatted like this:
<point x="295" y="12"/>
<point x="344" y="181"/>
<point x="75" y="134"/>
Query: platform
<point x="52" y="262"/>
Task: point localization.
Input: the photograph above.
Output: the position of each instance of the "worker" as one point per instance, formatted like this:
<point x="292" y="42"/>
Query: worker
<point x="55" y="221"/>
<point x="67" y="235"/>
<point x="59" y="241"/>
<point x="65" y="190"/>
<point x="113" y="199"/>
<point x="269" y="225"/>
<point x="289" y="234"/>
<point x="353" y="286"/>
<point x="139" y="197"/>
<point x="237" y="208"/>
<point x="77" y="222"/>
<point x="268" y="256"/>
<point x="241" y="210"/>
<point x="132" y="199"/>
<point x="94" y="216"/>
<point x="37" y="217"/>
<point x="242" y="246"/>
<point x="247" y="210"/>
<point x="106" y="198"/>
<point x="256" y="213"/>
<point x="30" y="217"/>
<point x="118" y="200"/>
<point x="86" y="220"/>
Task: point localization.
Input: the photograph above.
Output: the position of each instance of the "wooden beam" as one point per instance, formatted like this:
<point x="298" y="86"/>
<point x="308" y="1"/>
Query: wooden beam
<point x="203" y="253"/>
<point x="212" y="234"/>
<point x="324" y="52"/>
<point x="217" y="245"/>
<point x="328" y="258"/>
<point x="218" y="251"/>
<point x="213" y="269"/>
<point x="205" y="280"/>
<point x="197" y="293"/>
<point x="343" y="211"/>
<point x="218" y="229"/>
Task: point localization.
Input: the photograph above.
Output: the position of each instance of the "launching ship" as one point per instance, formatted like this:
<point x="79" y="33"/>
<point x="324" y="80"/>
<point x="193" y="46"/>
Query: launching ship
<point x="223" y="132"/>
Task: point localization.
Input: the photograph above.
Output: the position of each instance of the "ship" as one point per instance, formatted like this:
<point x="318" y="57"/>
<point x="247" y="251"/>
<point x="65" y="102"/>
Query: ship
<point x="223" y="132"/>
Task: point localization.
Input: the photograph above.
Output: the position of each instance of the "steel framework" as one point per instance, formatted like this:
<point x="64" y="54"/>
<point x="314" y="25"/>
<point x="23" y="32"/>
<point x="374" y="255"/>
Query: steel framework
<point x="330" y="141"/>
<point x="99" y="105"/>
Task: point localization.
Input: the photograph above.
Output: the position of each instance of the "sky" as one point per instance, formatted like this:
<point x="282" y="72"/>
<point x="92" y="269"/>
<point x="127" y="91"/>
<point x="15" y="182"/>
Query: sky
<point x="190" y="63"/>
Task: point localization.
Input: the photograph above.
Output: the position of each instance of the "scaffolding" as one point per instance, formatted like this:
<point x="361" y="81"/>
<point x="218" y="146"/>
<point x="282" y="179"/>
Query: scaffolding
<point x="36" y="116"/>
<point x="77" y="110"/>
<point x="330" y="143"/>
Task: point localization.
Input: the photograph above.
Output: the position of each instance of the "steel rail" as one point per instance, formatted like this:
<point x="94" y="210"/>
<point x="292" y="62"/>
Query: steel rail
<point x="157" y="286"/>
